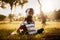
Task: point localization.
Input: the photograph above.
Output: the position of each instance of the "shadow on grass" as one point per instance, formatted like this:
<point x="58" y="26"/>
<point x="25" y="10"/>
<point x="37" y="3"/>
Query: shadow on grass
<point x="49" y="34"/>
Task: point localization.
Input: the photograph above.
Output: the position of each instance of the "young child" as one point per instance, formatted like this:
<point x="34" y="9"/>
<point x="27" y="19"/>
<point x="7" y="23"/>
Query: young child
<point x="28" y="25"/>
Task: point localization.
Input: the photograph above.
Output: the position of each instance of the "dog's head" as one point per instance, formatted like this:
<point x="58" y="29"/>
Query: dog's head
<point x="22" y="27"/>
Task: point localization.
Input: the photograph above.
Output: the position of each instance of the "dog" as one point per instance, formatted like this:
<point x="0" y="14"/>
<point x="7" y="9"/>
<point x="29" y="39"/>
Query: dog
<point x="21" y="30"/>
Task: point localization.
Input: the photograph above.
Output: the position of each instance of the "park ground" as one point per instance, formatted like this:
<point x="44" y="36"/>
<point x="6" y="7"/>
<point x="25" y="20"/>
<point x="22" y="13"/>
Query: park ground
<point x="51" y="31"/>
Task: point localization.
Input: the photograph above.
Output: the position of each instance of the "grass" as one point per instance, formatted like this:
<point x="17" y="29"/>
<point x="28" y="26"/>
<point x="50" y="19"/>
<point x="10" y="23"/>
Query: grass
<point x="51" y="32"/>
<point x="5" y="35"/>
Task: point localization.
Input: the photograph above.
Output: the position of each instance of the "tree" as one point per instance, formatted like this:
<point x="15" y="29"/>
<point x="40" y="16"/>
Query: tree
<point x="2" y="5"/>
<point x="11" y="17"/>
<point x="2" y="17"/>
<point x="13" y="2"/>
<point x="40" y="6"/>
<point x="21" y="18"/>
<point x="57" y="15"/>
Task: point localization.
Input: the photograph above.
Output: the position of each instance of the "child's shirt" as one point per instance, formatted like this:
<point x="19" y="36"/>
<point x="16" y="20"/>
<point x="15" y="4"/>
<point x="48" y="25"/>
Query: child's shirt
<point x="30" y="27"/>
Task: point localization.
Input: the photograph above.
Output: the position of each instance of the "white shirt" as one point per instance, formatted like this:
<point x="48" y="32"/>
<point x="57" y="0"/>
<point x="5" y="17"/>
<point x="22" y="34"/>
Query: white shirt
<point x="30" y="27"/>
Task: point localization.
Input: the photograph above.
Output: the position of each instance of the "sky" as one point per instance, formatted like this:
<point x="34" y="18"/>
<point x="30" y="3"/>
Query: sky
<point x="47" y="5"/>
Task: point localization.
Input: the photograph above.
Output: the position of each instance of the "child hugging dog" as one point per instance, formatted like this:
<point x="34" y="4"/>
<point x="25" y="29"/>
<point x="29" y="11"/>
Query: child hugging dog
<point x="28" y="25"/>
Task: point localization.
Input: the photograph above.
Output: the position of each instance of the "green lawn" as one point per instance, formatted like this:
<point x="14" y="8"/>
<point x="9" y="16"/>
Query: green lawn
<point x="38" y="25"/>
<point x="51" y="32"/>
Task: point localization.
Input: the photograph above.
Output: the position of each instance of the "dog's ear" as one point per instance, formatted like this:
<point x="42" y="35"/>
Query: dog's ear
<point x="18" y="30"/>
<point x="22" y="27"/>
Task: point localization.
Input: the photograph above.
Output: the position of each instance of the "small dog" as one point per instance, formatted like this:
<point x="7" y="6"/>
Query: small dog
<point x="21" y="30"/>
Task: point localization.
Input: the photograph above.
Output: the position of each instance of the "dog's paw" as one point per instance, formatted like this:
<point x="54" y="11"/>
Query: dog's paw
<point x="14" y="33"/>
